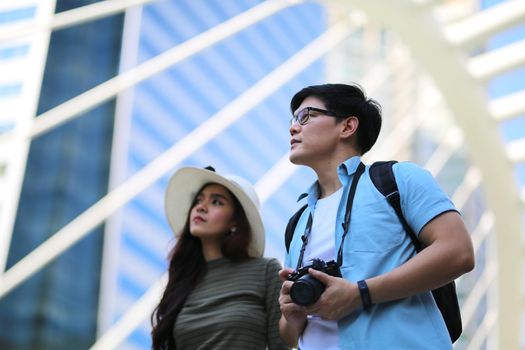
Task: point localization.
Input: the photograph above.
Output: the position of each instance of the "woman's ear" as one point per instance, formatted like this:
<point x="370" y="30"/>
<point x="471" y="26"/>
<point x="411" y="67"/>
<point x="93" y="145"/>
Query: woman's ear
<point x="233" y="227"/>
<point x="349" y="128"/>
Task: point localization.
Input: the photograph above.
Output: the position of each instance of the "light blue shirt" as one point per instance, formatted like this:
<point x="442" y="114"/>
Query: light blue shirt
<point x="376" y="244"/>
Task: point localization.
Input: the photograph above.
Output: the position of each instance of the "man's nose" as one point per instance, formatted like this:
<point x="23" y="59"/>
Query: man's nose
<point x="294" y="128"/>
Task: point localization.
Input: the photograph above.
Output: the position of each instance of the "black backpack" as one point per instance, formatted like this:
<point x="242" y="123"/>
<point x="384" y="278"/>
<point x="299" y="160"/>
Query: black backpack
<point x="383" y="179"/>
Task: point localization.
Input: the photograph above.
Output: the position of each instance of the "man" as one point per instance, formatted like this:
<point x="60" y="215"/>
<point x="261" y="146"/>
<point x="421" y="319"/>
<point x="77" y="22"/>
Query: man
<point x="392" y="308"/>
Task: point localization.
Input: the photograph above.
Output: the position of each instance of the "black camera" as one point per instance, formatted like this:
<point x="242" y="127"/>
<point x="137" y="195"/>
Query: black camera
<point x="306" y="290"/>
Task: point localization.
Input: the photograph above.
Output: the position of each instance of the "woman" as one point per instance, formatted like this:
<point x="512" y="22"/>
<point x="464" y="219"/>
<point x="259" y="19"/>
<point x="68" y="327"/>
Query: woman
<point x="221" y="293"/>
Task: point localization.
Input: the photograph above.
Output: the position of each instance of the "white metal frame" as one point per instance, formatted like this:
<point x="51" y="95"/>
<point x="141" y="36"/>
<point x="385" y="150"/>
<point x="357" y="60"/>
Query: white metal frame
<point x="451" y="69"/>
<point x="112" y="87"/>
<point x="440" y="49"/>
<point x="69" y="18"/>
<point x="20" y="110"/>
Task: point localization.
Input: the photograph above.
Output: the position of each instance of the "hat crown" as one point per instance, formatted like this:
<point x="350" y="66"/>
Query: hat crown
<point x="181" y="192"/>
<point x="246" y="187"/>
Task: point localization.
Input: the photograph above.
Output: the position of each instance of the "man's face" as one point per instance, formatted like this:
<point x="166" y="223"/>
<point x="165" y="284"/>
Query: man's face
<point x="317" y="139"/>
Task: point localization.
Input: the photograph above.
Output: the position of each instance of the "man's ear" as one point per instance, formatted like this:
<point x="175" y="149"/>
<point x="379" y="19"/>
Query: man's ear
<point x="349" y="127"/>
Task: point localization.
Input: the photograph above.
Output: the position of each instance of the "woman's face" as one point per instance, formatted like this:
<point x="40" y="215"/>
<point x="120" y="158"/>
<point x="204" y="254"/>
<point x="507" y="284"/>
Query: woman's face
<point x="212" y="215"/>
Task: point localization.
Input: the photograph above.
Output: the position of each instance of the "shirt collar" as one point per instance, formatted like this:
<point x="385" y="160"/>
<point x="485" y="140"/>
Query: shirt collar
<point x="348" y="167"/>
<point x="344" y="171"/>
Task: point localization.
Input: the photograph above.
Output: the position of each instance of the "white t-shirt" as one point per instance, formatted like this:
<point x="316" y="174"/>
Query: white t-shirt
<point x="319" y="333"/>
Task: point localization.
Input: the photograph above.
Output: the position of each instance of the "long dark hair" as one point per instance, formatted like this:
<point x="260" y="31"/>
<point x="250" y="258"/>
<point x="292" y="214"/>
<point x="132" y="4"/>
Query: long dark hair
<point x="187" y="268"/>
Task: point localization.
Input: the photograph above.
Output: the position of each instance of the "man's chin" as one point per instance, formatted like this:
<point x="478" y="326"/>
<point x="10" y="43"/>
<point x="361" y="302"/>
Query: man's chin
<point x="296" y="159"/>
<point x="293" y="159"/>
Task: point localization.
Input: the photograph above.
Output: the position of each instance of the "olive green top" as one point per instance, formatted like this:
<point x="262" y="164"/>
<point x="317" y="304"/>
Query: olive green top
<point x="235" y="306"/>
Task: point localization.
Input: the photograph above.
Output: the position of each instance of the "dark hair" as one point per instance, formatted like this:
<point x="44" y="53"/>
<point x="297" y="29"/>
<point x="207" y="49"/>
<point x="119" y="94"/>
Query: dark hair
<point x="347" y="100"/>
<point x="187" y="267"/>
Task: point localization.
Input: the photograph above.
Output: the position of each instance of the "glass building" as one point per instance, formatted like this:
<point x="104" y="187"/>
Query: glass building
<point x="104" y="100"/>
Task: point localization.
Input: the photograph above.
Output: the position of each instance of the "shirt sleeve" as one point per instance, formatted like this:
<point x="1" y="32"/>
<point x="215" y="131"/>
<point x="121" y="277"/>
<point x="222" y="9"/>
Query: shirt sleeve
<point x="422" y="199"/>
<point x="273" y="311"/>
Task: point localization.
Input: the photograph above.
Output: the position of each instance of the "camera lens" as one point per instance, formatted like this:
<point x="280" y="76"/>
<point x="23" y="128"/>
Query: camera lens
<point x="306" y="290"/>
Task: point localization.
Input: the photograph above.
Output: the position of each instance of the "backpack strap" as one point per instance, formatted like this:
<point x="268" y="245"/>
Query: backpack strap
<point x="383" y="179"/>
<point x="446" y="298"/>
<point x="290" y="227"/>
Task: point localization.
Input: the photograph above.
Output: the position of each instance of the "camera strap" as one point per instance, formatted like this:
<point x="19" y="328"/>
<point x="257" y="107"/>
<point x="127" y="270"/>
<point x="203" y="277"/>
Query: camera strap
<point x="346" y="224"/>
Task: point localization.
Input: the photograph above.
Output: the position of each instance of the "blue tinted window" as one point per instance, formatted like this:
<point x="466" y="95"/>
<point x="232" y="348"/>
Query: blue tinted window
<point x="67" y="171"/>
<point x="17" y="15"/>
<point x="13" y="52"/>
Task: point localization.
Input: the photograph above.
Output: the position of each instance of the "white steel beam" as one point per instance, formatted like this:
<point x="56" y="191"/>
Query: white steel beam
<point x="484" y="330"/>
<point x="480" y="26"/>
<point x="471" y="181"/>
<point x="467" y="101"/>
<point x="274" y="178"/>
<point x="118" y="164"/>
<point x="393" y="142"/>
<point x="492" y="63"/>
<point x="95" y="215"/>
<point x="516" y="150"/>
<point x="133" y="317"/>
<point x="110" y="88"/>
<point x="69" y="18"/>
<point x="19" y="111"/>
<point x="480" y="288"/>
<point x="482" y="231"/>
<point x="427" y="3"/>
<point x="448" y="145"/>
<point x="454" y="12"/>
<point x="508" y="106"/>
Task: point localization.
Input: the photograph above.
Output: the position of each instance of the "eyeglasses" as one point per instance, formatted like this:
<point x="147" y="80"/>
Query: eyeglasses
<point x="304" y="115"/>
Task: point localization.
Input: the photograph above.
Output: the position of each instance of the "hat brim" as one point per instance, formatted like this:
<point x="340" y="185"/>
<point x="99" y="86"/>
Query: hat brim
<point x="182" y="189"/>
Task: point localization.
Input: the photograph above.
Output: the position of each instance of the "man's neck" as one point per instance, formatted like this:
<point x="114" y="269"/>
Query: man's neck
<point x="327" y="175"/>
<point x="328" y="183"/>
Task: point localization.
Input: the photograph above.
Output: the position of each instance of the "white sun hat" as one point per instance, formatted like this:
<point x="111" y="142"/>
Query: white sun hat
<point x="182" y="189"/>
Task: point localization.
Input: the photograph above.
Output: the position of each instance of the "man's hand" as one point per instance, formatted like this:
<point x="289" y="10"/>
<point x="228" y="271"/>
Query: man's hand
<point x="294" y="314"/>
<point x="293" y="318"/>
<point x="339" y="298"/>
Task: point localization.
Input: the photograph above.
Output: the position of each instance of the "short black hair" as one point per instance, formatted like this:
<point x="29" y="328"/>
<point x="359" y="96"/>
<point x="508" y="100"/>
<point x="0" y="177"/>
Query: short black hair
<point x="347" y="100"/>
